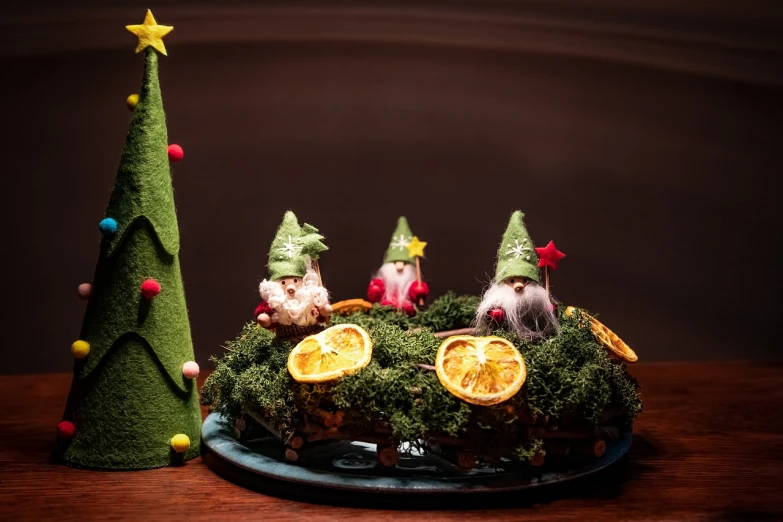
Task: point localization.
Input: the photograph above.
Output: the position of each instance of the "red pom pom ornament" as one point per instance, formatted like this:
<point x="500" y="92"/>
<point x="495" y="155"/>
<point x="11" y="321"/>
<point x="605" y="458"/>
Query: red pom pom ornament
<point x="66" y="430"/>
<point x="175" y="153"/>
<point x="150" y="288"/>
<point x="418" y="290"/>
<point x="374" y="293"/>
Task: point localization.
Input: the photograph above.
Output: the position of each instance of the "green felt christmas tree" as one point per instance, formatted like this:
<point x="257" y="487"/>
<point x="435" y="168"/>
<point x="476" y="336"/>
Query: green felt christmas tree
<point x="133" y="403"/>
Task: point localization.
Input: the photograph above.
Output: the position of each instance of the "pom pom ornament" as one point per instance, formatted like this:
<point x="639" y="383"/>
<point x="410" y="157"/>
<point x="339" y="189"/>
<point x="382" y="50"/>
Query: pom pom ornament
<point x="180" y="443"/>
<point x="131" y="101"/>
<point x="150" y="288"/>
<point x="190" y="369"/>
<point x="85" y="289"/>
<point x="108" y="226"/>
<point x="80" y="349"/>
<point x="175" y="153"/>
<point x="66" y="430"/>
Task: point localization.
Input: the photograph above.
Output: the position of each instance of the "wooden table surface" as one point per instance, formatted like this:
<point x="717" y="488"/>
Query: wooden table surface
<point x="708" y="446"/>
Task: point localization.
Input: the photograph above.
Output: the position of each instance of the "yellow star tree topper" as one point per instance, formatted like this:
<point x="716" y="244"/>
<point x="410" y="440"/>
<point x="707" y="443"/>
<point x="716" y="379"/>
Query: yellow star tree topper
<point x="416" y="247"/>
<point x="150" y="34"/>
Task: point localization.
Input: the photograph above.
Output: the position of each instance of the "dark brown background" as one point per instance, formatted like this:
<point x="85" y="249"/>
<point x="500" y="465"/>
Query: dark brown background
<point x="644" y="137"/>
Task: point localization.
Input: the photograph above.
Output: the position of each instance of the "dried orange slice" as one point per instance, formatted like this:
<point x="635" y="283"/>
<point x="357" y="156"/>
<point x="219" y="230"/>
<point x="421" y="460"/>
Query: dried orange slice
<point x="331" y="354"/>
<point x="617" y="348"/>
<point x="480" y="370"/>
<point x="350" y="306"/>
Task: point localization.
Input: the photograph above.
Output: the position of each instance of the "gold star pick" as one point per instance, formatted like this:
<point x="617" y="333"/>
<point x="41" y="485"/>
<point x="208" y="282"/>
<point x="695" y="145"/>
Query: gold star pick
<point x="150" y="34"/>
<point x="416" y="247"/>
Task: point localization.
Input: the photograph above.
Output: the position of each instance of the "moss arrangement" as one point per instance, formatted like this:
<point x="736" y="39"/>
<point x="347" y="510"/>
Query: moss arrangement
<point x="571" y="381"/>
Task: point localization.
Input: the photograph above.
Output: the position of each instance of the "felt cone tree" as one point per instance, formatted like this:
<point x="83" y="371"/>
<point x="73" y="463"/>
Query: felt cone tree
<point x="133" y="403"/>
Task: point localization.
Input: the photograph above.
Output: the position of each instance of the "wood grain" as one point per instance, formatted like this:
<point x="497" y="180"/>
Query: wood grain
<point x="709" y="446"/>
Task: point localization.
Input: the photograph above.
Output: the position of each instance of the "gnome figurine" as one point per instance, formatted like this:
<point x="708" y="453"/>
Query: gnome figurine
<point x="294" y="301"/>
<point x="395" y="283"/>
<point x="515" y="300"/>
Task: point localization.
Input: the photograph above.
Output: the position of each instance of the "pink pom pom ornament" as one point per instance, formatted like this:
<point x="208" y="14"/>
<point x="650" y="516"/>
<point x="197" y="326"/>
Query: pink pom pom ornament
<point x="85" y="289"/>
<point x="150" y="288"/>
<point x="190" y="369"/>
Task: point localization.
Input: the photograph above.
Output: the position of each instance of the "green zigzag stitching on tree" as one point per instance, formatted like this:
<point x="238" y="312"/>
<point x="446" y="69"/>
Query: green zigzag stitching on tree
<point x="116" y="246"/>
<point x="143" y="183"/>
<point x="123" y="425"/>
<point x="162" y="322"/>
<point x="179" y="381"/>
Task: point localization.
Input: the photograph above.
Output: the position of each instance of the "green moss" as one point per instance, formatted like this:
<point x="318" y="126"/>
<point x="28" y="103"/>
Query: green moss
<point x="447" y="312"/>
<point x="569" y="376"/>
<point x="376" y="315"/>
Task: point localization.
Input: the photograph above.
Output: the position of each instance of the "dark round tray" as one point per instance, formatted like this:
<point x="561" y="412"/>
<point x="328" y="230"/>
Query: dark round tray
<point x="352" y="466"/>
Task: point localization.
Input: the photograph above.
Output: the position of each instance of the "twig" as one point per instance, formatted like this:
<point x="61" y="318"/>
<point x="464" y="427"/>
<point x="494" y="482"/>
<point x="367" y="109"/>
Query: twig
<point x="418" y="279"/>
<point x="449" y="333"/>
<point x="546" y="278"/>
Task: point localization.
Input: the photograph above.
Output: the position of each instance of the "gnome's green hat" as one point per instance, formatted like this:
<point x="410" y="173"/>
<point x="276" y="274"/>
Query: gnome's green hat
<point x="398" y="246"/>
<point x="293" y="247"/>
<point x="516" y="255"/>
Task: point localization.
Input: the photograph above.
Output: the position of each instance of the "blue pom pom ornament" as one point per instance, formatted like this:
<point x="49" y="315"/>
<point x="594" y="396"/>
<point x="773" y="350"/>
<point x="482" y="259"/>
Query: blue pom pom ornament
<point x="108" y="226"/>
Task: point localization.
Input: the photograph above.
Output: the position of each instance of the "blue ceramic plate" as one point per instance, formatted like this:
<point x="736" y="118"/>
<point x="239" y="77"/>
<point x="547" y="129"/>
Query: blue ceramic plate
<point x="352" y="466"/>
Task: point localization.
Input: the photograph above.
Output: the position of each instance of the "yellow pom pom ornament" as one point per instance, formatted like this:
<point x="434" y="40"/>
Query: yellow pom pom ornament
<point x="80" y="349"/>
<point x="180" y="443"/>
<point x="132" y="100"/>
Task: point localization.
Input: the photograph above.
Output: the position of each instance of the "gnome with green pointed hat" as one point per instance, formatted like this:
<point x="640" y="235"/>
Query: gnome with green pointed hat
<point x="294" y="301"/>
<point x="515" y="300"/>
<point x="395" y="284"/>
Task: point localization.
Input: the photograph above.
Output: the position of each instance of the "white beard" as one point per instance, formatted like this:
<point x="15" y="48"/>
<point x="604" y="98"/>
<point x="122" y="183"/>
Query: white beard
<point x="302" y="308"/>
<point x="396" y="283"/>
<point x="529" y="314"/>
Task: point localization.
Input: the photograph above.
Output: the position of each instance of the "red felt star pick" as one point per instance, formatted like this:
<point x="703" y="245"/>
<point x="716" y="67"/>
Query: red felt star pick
<point x="549" y="255"/>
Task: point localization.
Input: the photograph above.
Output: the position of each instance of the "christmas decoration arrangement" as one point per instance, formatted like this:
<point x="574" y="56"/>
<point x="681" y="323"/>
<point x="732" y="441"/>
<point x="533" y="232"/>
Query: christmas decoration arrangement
<point x="133" y="403"/>
<point x="509" y="376"/>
